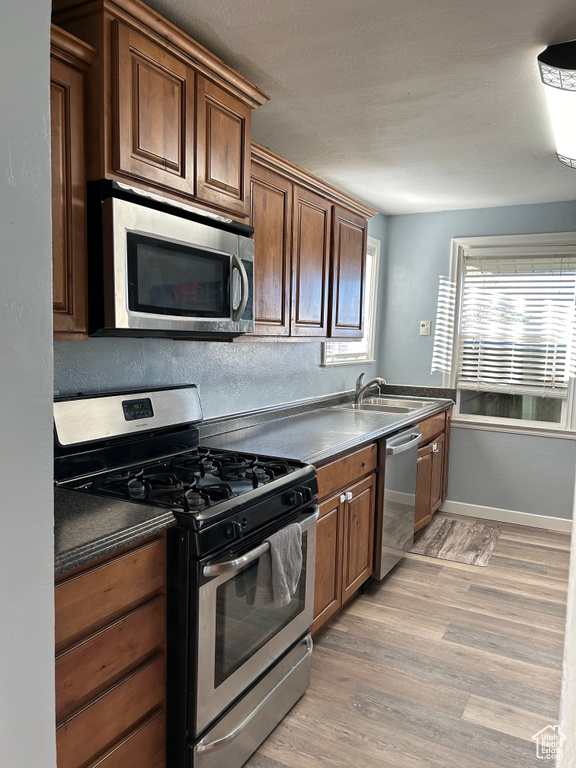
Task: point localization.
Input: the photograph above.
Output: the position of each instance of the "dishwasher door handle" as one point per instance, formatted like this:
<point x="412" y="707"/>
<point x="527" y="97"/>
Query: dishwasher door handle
<point x="399" y="444"/>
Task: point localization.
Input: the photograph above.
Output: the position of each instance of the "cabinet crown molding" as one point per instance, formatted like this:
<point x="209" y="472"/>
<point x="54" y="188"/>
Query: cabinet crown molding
<point x="63" y="45"/>
<point x="270" y="160"/>
<point x="65" y="10"/>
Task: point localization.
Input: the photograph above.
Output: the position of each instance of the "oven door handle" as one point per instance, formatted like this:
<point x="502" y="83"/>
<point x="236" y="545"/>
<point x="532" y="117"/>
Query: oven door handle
<point x="211" y="746"/>
<point x="229" y="566"/>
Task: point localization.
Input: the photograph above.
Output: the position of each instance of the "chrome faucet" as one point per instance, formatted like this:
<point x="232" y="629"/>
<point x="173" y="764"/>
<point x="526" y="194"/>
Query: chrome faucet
<point x="362" y="388"/>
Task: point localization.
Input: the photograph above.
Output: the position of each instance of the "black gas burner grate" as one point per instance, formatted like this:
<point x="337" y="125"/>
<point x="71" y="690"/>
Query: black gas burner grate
<point x="191" y="481"/>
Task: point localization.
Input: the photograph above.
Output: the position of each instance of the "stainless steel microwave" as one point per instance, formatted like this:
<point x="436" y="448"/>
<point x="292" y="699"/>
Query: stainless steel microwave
<point x="157" y="268"/>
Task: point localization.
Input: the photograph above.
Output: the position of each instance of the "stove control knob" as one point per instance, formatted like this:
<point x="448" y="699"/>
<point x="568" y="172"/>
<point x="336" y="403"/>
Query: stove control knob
<point x="296" y="498"/>
<point x="234" y="530"/>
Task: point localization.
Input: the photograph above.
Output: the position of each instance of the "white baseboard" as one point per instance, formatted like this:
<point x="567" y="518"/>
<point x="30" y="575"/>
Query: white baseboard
<point x="507" y="516"/>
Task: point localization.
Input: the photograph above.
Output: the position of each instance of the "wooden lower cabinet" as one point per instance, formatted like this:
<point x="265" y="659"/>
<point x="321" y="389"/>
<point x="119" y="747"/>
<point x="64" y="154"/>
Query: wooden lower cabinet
<point x="432" y="476"/>
<point x="328" y="591"/>
<point x="358" y="537"/>
<point x="111" y="661"/>
<point x="345" y="534"/>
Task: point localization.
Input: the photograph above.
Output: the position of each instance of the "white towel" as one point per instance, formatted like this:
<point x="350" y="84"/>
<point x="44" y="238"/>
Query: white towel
<point x="279" y="568"/>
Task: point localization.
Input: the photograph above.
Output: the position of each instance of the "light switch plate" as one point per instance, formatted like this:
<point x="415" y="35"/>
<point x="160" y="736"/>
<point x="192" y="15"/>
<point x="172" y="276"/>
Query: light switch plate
<point x="424" y="327"/>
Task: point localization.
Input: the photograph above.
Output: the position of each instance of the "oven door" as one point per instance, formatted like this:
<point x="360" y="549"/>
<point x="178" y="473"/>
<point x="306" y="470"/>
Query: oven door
<point x="166" y="273"/>
<point x="237" y="641"/>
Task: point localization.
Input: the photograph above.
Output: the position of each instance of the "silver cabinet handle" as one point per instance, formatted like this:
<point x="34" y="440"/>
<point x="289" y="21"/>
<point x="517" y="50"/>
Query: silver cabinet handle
<point x="342" y="498"/>
<point x="237" y="313"/>
<point x="349" y="495"/>
<point x="434" y="447"/>
<point x="227" y="566"/>
<point x="398" y="444"/>
<point x="212" y="746"/>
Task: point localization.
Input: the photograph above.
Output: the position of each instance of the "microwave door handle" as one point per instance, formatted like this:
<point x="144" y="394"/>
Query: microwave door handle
<point x="230" y="566"/>
<point x="237" y="313"/>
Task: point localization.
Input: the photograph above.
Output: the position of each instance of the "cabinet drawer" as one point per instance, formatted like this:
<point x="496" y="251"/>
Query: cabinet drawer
<point x="343" y="472"/>
<point x="146" y="748"/>
<point x="432" y="427"/>
<point x="96" y="663"/>
<point x="111" y="717"/>
<point x="85" y="602"/>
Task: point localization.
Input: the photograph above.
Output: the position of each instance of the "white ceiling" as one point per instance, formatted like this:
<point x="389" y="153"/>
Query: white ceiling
<point x="410" y="105"/>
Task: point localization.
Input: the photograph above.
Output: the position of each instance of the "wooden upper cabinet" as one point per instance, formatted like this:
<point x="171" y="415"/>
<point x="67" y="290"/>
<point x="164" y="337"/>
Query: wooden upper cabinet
<point x="154" y="136"/>
<point x="165" y="114"/>
<point x="310" y="253"/>
<point x="310" y="263"/>
<point x="69" y="59"/>
<point x="224" y="126"/>
<point x="271" y="217"/>
<point x="348" y="274"/>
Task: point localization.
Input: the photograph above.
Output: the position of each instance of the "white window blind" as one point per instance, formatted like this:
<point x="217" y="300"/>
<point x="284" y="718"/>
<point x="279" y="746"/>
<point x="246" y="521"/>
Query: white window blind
<point x="516" y="320"/>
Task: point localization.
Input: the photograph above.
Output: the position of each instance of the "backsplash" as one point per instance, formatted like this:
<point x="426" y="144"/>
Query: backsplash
<point x="230" y="377"/>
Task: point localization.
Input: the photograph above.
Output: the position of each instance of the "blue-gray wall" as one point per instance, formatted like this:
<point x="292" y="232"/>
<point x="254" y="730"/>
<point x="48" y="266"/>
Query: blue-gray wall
<point x="494" y="469"/>
<point x="230" y="377"/>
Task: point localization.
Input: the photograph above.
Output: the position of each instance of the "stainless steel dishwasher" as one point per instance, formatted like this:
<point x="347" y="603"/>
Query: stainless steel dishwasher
<point x="399" y="499"/>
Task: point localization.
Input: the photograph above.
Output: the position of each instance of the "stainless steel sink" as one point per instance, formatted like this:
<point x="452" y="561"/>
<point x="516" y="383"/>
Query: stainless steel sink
<point x="370" y="407"/>
<point x="386" y="405"/>
<point x="397" y="402"/>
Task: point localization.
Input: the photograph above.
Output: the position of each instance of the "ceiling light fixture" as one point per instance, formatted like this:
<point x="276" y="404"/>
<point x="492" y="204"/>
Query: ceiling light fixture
<point x="558" y="72"/>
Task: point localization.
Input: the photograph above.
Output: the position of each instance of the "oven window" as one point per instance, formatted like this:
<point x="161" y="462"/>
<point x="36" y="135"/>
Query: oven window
<point x="171" y="279"/>
<point x="241" y="627"/>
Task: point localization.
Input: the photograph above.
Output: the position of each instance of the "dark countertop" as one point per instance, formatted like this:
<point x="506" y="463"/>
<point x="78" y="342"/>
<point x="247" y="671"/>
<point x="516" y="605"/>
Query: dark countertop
<point x="319" y="435"/>
<point x="90" y="527"/>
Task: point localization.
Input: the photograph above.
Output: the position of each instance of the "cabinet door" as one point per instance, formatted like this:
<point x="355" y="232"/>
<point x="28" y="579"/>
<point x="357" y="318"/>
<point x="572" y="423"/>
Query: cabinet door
<point x="271" y="217"/>
<point x="154" y="136"/>
<point x="310" y="264"/>
<point x="446" y="454"/>
<point x="328" y="562"/>
<point x="68" y="201"/>
<point x="423" y="507"/>
<point x="224" y="125"/>
<point x="437" y="473"/>
<point x="348" y="274"/>
<point x="358" y="535"/>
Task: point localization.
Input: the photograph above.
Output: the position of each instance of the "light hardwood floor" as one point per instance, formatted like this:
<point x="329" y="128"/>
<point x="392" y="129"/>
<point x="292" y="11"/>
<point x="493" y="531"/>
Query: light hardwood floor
<point x="441" y="665"/>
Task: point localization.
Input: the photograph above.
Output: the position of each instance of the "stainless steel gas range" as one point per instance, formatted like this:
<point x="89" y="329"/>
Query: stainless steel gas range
<point x="235" y="668"/>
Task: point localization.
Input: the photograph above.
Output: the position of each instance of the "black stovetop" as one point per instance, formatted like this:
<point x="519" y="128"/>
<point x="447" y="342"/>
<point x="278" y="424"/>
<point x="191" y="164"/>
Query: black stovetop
<point x="189" y="482"/>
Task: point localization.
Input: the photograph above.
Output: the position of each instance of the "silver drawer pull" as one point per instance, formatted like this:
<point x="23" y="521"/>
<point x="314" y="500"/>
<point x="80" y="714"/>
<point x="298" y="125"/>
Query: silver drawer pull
<point x="238" y="563"/>
<point x="212" y="746"/>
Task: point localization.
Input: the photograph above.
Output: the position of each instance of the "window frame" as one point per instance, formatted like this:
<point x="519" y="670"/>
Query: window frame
<point x="373" y="246"/>
<point x="553" y="243"/>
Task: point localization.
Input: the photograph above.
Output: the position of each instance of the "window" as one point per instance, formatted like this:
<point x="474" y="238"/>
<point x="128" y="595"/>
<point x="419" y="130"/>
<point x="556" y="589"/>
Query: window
<point x="504" y="330"/>
<point x="345" y="352"/>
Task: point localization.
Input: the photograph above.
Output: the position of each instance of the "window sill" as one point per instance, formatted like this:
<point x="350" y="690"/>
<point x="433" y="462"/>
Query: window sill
<point x="559" y="433"/>
<point x="329" y="364"/>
